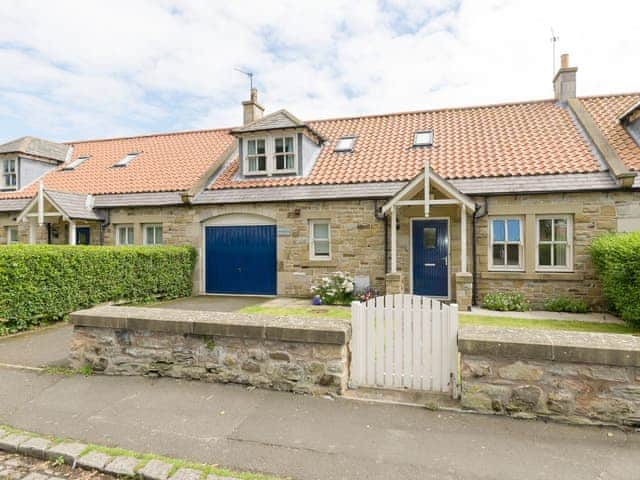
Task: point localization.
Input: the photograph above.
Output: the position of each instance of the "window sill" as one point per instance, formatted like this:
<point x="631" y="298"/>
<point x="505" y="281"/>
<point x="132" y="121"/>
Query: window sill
<point x="506" y="275"/>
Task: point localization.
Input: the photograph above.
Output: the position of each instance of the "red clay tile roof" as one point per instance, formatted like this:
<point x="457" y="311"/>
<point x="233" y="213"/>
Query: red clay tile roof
<point x="167" y="162"/>
<point x="528" y="138"/>
<point x="605" y="111"/>
<point x="499" y="140"/>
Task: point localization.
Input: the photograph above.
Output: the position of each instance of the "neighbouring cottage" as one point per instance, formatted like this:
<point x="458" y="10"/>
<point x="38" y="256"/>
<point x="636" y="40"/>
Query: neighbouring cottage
<point x="449" y="203"/>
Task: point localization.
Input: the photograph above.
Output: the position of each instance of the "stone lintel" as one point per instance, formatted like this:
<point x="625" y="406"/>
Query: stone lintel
<point x="551" y="345"/>
<point x="225" y="324"/>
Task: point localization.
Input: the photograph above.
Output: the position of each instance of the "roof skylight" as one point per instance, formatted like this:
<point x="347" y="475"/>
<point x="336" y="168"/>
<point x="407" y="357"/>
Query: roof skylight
<point x="76" y="163"/>
<point x="126" y="160"/>
<point x="345" y="144"/>
<point x="423" y="138"/>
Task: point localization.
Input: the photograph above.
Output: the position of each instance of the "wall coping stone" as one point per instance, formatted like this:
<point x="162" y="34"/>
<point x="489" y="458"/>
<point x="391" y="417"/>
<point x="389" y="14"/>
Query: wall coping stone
<point x="552" y="345"/>
<point x="225" y="324"/>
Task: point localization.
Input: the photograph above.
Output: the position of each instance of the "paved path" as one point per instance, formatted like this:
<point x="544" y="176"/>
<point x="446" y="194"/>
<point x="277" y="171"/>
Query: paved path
<point x="19" y="467"/>
<point x="306" y="437"/>
<point x="48" y="346"/>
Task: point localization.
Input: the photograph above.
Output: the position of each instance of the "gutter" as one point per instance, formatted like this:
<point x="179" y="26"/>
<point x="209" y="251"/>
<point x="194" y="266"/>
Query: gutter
<point x="476" y="217"/>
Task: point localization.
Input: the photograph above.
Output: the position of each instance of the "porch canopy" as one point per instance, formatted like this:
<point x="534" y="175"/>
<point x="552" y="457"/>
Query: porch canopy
<point x="50" y="205"/>
<point x="429" y="191"/>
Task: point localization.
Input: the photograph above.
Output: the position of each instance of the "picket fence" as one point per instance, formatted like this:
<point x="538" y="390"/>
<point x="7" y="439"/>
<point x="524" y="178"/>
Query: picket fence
<point x="405" y="341"/>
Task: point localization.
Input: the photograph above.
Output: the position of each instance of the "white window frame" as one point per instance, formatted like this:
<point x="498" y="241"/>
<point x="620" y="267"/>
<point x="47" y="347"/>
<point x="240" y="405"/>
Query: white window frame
<point x="568" y="242"/>
<point x="247" y="171"/>
<point x="130" y="241"/>
<point x="521" y="250"/>
<point x="270" y="153"/>
<point x="9" y="229"/>
<point x="312" y="239"/>
<point x="8" y="173"/>
<point x="145" y="234"/>
<point x="275" y="155"/>
<point x="127" y="159"/>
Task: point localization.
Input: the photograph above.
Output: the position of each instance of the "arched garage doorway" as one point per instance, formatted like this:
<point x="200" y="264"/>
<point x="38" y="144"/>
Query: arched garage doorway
<point x="240" y="255"/>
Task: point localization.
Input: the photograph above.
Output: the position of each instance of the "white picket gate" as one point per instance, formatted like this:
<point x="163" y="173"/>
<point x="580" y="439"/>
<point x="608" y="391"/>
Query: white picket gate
<point x="405" y="341"/>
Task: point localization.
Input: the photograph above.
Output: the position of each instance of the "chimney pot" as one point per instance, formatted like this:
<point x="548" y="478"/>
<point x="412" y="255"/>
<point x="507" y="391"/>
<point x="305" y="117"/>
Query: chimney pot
<point x="564" y="60"/>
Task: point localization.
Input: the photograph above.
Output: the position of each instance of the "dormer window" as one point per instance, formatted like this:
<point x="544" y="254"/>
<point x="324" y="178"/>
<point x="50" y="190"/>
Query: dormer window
<point x="126" y="160"/>
<point x="9" y="173"/>
<point x="257" y="155"/>
<point x="423" y="138"/>
<point x="270" y="155"/>
<point x="76" y="163"/>
<point x="345" y="144"/>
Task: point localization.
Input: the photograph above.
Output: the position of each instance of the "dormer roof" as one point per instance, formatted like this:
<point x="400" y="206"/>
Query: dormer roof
<point x="36" y="147"/>
<point x="282" y="119"/>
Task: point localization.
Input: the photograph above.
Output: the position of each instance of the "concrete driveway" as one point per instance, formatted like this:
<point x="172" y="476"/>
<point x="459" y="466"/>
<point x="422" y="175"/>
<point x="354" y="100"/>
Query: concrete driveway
<point x="212" y="303"/>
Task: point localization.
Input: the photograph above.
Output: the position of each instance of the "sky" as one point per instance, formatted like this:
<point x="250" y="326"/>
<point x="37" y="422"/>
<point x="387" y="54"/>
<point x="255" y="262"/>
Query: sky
<point x="72" y="70"/>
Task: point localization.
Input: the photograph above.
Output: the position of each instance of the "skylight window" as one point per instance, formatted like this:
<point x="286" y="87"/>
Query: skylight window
<point x="423" y="138"/>
<point x="126" y="160"/>
<point x="345" y="144"/>
<point x="76" y="163"/>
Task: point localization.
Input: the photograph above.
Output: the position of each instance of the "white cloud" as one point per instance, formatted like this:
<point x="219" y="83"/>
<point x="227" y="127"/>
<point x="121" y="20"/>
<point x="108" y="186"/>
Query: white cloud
<point x="89" y="68"/>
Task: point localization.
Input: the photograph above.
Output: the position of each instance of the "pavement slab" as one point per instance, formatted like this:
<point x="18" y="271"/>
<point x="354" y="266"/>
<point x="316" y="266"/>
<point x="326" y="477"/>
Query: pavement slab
<point x="96" y="460"/>
<point x="36" y="447"/>
<point x="122" y="466"/>
<point x="156" y="470"/>
<point x="186" y="474"/>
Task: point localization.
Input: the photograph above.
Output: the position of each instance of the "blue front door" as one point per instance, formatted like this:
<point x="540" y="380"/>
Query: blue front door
<point x="241" y="259"/>
<point x="430" y="247"/>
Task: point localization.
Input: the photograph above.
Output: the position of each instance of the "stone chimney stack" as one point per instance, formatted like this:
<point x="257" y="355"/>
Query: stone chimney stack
<point x="564" y="83"/>
<point x="251" y="109"/>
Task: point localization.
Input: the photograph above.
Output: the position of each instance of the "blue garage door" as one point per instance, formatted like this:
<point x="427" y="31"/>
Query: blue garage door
<point x="241" y="259"/>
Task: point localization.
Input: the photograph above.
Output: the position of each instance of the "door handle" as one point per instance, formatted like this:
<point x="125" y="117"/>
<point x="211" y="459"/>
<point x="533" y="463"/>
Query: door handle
<point x="446" y="261"/>
<point x="429" y="264"/>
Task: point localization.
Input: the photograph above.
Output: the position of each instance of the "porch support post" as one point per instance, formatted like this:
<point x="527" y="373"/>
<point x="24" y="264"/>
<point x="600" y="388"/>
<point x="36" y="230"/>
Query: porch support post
<point x="394" y="241"/>
<point x="72" y="233"/>
<point x="427" y="189"/>
<point x="33" y="232"/>
<point x="463" y="239"/>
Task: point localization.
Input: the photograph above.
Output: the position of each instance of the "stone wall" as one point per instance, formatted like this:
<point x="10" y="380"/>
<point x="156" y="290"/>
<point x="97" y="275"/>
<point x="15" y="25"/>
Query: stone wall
<point x="304" y="356"/>
<point x="572" y="377"/>
<point x="593" y="213"/>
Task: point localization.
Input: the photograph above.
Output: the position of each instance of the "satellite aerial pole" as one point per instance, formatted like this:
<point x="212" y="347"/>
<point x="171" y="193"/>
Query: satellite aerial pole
<point x="554" y="39"/>
<point x="248" y="74"/>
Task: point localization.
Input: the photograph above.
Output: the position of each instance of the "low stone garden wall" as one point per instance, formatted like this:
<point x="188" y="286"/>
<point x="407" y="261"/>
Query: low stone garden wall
<point x="575" y="377"/>
<point x="299" y="355"/>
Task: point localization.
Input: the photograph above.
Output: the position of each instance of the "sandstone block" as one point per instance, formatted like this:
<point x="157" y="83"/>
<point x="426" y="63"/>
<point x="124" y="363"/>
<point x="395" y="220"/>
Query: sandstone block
<point x="69" y="451"/>
<point x="156" y="470"/>
<point x="95" y="460"/>
<point x="35" y="447"/>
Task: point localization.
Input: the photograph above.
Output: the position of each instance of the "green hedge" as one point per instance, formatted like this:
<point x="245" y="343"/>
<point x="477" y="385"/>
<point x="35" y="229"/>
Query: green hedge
<point x="40" y="283"/>
<point x="617" y="260"/>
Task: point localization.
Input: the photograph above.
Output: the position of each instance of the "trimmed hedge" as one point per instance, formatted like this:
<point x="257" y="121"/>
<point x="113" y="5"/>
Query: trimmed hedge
<point x="617" y="260"/>
<point x="40" y="283"/>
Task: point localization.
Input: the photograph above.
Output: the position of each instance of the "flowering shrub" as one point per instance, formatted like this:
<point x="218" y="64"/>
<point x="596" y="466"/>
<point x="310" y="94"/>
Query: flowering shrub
<point x="366" y="294"/>
<point x="338" y="289"/>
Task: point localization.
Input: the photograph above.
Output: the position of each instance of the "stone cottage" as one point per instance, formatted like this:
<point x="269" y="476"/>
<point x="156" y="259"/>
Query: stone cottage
<point x="449" y="203"/>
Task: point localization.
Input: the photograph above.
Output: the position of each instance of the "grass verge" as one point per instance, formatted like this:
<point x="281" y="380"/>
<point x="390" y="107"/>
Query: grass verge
<point x="465" y="319"/>
<point x="302" y="312"/>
